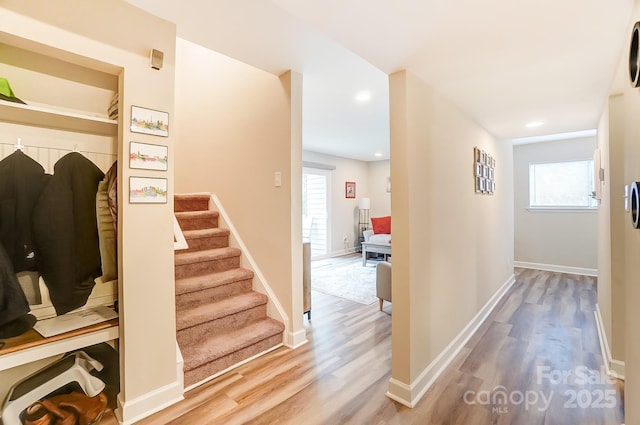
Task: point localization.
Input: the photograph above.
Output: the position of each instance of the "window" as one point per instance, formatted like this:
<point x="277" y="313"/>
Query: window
<point x="561" y="185"/>
<point x="315" y="210"/>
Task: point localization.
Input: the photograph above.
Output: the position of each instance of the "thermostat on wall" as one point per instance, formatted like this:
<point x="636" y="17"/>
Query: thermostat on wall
<point x="156" y="58"/>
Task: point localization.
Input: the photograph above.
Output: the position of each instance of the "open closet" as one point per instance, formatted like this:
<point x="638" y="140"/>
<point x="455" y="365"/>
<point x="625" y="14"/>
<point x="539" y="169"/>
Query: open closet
<point x="67" y="61"/>
<point x="64" y="130"/>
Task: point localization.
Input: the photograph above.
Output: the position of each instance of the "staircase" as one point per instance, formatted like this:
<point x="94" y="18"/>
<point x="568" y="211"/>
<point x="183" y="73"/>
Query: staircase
<point x="220" y="320"/>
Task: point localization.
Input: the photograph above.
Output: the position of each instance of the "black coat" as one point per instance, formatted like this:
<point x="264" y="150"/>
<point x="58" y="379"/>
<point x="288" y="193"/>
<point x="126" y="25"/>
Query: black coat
<point x="66" y="232"/>
<point x="21" y="182"/>
<point x="14" y="308"/>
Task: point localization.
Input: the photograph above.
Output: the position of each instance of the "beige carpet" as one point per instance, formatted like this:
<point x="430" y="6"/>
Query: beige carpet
<point x="348" y="280"/>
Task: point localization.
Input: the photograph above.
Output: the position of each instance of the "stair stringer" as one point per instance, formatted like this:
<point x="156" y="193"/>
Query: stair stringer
<point x="260" y="283"/>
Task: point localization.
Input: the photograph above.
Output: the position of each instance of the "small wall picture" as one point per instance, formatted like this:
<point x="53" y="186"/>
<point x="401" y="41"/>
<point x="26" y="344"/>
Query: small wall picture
<point x="484" y="171"/>
<point x="149" y="121"/>
<point x="148" y="157"/>
<point x="147" y="190"/>
<point x="349" y="189"/>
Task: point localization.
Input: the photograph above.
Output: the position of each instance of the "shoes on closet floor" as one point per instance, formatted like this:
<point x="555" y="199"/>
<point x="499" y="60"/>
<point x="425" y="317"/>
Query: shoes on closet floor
<point x="67" y="409"/>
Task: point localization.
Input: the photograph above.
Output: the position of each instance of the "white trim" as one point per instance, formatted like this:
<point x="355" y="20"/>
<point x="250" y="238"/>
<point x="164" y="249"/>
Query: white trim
<point x="273" y="306"/>
<point x="148" y="403"/>
<point x="28" y="355"/>
<point x="410" y="395"/>
<point x="179" y="367"/>
<point x="341" y="252"/>
<point x="552" y="137"/>
<point x="557" y="269"/>
<point x="296" y="339"/>
<point x="233" y="366"/>
<point x="615" y="368"/>
<point x="564" y="209"/>
<point x="180" y="241"/>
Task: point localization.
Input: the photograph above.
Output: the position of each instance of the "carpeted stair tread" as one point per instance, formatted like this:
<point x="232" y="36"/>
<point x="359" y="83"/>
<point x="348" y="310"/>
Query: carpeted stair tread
<point x="198" y="283"/>
<point x="196" y="214"/>
<point x="205" y="233"/>
<point x="191" y="202"/>
<point x="217" y="346"/>
<point x="182" y="258"/>
<point x="207" y="238"/>
<point x="210" y="311"/>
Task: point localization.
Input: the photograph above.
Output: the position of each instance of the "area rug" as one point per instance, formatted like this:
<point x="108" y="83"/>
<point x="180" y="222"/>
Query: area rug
<point x="351" y="281"/>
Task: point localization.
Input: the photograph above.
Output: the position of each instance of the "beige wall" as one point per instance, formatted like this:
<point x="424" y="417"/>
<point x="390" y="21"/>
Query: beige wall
<point x="379" y="171"/>
<point x="370" y="178"/>
<point x="234" y="130"/>
<point x="147" y="299"/>
<point x="612" y="222"/>
<point x="344" y="211"/>
<point x="452" y="247"/>
<point x="553" y="238"/>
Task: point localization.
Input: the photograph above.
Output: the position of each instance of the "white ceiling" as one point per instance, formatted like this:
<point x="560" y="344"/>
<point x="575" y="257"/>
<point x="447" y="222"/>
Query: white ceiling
<point x="503" y="62"/>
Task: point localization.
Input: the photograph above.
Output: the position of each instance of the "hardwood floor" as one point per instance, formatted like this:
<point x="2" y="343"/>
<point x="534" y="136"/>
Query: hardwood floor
<point x="536" y="360"/>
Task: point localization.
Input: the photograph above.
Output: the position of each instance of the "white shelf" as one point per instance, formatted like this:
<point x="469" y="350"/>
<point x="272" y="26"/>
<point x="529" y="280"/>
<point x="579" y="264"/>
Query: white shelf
<point x="48" y="347"/>
<point x="42" y="116"/>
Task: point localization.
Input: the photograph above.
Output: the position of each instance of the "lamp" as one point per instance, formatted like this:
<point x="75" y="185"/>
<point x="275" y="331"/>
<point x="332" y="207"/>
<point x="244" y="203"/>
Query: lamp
<point x="363" y="205"/>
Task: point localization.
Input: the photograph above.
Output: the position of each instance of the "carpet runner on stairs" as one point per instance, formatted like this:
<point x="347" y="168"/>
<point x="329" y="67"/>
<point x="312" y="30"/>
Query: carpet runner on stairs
<point x="220" y="320"/>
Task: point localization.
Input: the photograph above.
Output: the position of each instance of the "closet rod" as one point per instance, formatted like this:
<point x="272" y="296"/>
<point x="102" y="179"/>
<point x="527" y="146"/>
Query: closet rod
<point x="58" y="149"/>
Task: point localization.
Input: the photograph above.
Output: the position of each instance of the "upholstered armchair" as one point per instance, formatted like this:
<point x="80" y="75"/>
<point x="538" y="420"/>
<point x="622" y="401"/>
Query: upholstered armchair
<point x="383" y="282"/>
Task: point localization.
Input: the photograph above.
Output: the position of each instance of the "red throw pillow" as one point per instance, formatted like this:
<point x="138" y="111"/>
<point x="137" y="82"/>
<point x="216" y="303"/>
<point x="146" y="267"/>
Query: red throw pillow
<point x="381" y="225"/>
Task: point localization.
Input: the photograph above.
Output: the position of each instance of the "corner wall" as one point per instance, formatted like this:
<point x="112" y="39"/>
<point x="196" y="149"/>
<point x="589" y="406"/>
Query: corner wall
<point x="234" y="129"/>
<point x="619" y="293"/>
<point x="563" y="240"/>
<point x="452" y="247"/>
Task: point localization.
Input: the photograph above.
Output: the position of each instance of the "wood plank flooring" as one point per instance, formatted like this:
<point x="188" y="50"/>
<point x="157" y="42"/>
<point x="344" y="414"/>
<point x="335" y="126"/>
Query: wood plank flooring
<point x="536" y="360"/>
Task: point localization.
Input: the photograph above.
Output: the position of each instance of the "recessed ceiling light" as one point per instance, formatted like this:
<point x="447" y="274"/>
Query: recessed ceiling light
<point x="534" y="124"/>
<point x="377" y="154"/>
<point x="363" y="96"/>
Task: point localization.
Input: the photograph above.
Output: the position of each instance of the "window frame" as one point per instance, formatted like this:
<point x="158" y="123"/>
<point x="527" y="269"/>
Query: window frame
<point x="562" y="208"/>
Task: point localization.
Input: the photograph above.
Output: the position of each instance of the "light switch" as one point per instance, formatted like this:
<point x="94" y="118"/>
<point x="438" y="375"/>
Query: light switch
<point x="278" y="178"/>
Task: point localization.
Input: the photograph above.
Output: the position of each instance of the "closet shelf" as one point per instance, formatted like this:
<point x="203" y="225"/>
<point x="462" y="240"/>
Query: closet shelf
<point x="31" y="346"/>
<point x="43" y="116"/>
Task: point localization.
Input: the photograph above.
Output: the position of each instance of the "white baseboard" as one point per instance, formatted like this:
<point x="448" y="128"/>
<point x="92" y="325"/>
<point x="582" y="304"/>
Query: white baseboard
<point x="614" y="368"/>
<point x="556" y="268"/>
<point x="342" y="252"/>
<point x="139" y="408"/>
<point x="296" y="339"/>
<point x="410" y="395"/>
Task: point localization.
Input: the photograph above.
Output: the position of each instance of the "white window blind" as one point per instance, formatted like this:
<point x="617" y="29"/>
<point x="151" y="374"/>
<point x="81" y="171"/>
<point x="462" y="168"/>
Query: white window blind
<point x="561" y="185"/>
<point x="315" y="210"/>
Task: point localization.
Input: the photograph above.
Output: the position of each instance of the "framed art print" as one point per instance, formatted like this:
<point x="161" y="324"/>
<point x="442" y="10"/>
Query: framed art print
<point x="350" y="189"/>
<point x="147" y="190"/>
<point x="149" y="121"/>
<point x="148" y="157"/>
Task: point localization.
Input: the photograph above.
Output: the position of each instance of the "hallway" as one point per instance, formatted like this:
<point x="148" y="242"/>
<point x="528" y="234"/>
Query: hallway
<point x="536" y="360"/>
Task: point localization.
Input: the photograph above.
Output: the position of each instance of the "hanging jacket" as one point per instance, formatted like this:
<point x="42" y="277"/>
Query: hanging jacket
<point x="21" y="182"/>
<point x="66" y="233"/>
<point x="14" y="308"/>
<point x="107" y="226"/>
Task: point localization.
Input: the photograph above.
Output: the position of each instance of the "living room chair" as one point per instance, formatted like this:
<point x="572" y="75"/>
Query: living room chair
<point x="383" y="282"/>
